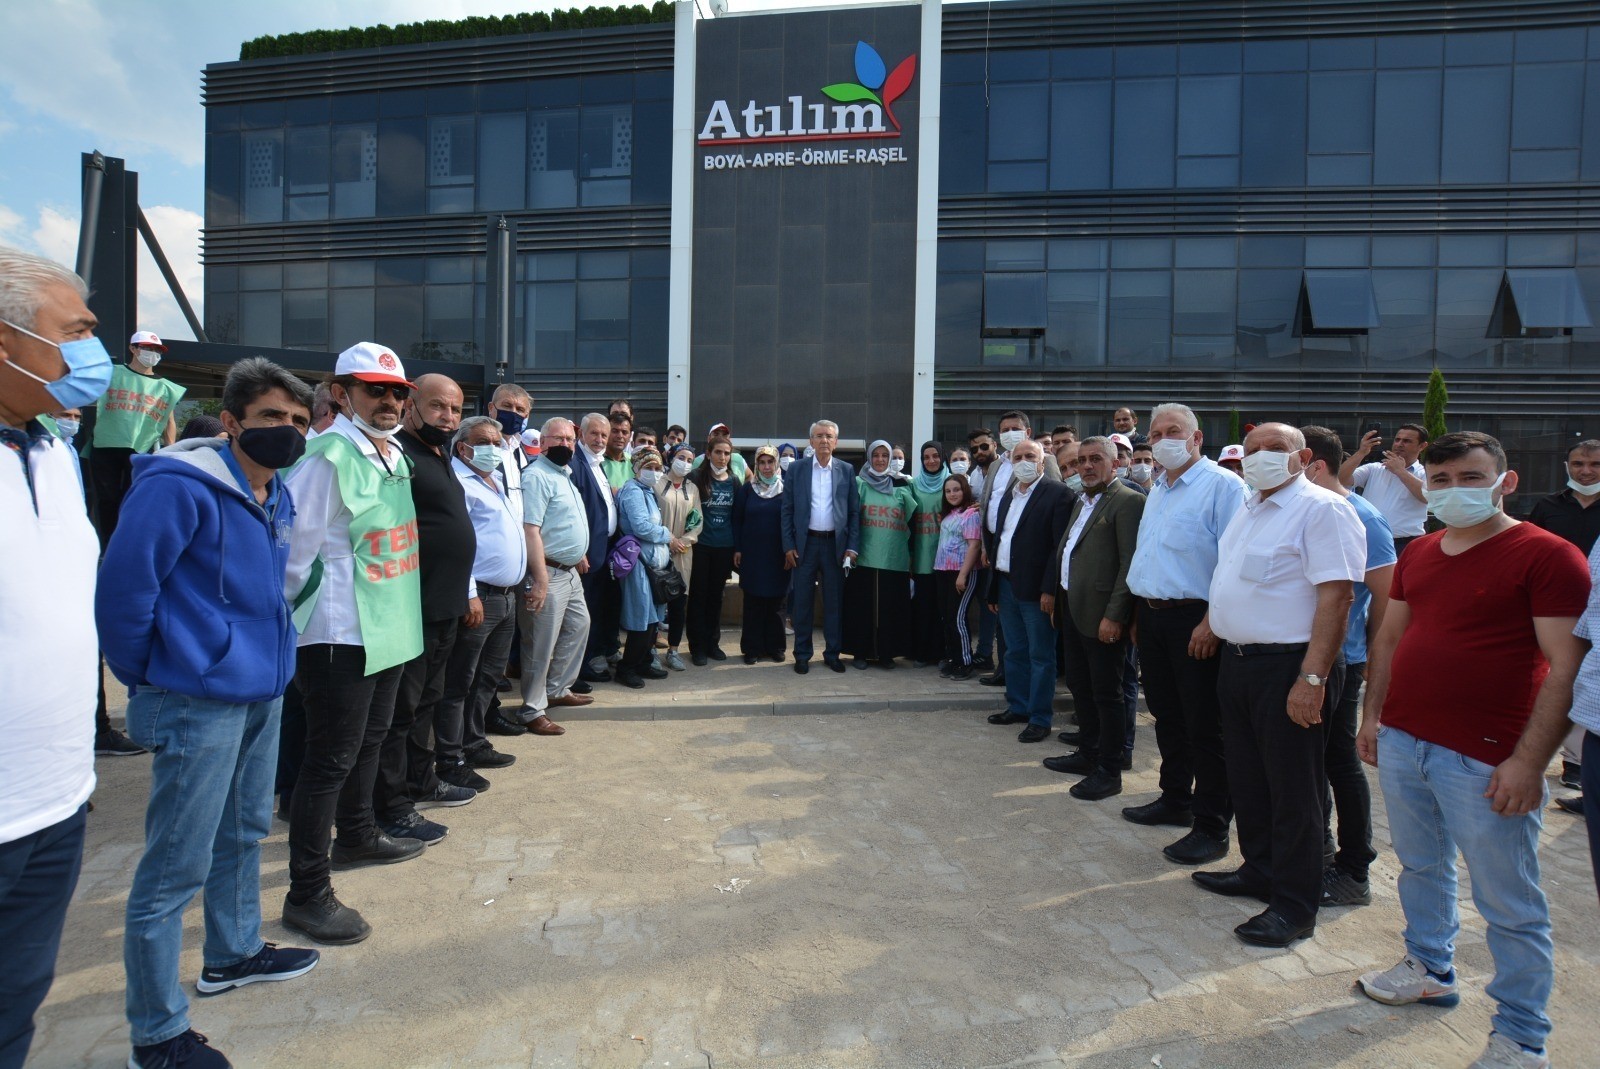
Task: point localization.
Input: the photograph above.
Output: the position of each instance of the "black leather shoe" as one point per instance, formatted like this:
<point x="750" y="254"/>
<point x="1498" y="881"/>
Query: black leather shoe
<point x="1197" y="848"/>
<point x="594" y="677"/>
<point x="802" y="667"/>
<point x="1127" y="762"/>
<point x="379" y="850"/>
<point x="1101" y="784"/>
<point x="1007" y="718"/>
<point x="1071" y="738"/>
<point x="834" y="663"/>
<point x="497" y="723"/>
<point x="994" y="679"/>
<point x="630" y="680"/>
<point x="716" y="654"/>
<point x="1270" y="928"/>
<point x="749" y="658"/>
<point x="652" y="672"/>
<point x="699" y="659"/>
<point x="1076" y="763"/>
<point x="1229" y="883"/>
<point x="858" y="662"/>
<point x="580" y="687"/>
<point x="1033" y="733"/>
<point x="1159" y="811"/>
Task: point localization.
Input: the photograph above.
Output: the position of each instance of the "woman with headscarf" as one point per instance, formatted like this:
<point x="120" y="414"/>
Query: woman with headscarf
<point x="927" y="487"/>
<point x="758" y="555"/>
<point x="713" y="554"/>
<point x="877" y="591"/>
<point x="639" y="515"/>
<point x="787" y="454"/>
<point x="680" y="513"/>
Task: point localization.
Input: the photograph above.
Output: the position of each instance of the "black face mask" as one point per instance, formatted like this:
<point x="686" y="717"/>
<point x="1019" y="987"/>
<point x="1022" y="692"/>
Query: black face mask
<point x="560" y="455"/>
<point x="273" y="447"/>
<point x="432" y="435"/>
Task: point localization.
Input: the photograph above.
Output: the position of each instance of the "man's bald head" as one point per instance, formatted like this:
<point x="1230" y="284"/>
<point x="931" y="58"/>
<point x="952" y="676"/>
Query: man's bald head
<point x="436" y="401"/>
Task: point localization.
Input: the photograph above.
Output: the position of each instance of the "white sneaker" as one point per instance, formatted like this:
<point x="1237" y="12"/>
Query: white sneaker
<point x="674" y="662"/>
<point x="1502" y="1053"/>
<point x="1409" y="982"/>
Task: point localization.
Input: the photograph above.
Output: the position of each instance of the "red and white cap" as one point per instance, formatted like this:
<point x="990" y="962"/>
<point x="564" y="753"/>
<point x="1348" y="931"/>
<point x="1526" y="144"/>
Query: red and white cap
<point x="371" y="362"/>
<point x="715" y="427"/>
<point x="147" y="339"/>
<point x="1121" y="439"/>
<point x="1231" y="452"/>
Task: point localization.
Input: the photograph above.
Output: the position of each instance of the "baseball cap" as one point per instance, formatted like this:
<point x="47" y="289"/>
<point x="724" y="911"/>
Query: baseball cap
<point x="147" y="339"/>
<point x="371" y="362"/>
<point x="1231" y="452"/>
<point x="715" y="427"/>
<point x="1121" y="439"/>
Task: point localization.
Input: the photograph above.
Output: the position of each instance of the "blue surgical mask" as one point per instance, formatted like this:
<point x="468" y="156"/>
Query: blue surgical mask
<point x="1464" y="506"/>
<point x="68" y="427"/>
<point x="485" y="458"/>
<point x="1074" y="482"/>
<point x="510" y="422"/>
<point x="88" y="370"/>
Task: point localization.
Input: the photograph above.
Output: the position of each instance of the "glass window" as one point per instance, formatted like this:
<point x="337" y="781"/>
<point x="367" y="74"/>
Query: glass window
<point x="1341" y="53"/>
<point x="1535" y="299"/>
<point x="1406" y="134"/>
<point x="1477" y="118"/>
<point x="603" y="265"/>
<point x="222" y="318"/>
<point x="1016" y="177"/>
<point x="1466" y="300"/>
<point x="648" y="322"/>
<point x="501" y="152"/>
<point x="307" y="172"/>
<point x="1203" y="302"/>
<point x="553" y="92"/>
<point x="1089" y="254"/>
<point x="1077" y="316"/>
<point x="550" y="325"/>
<point x="305" y="319"/>
<point x="449" y="268"/>
<point x="1018" y="129"/>
<point x="1274" y="129"/>
<point x="552" y="266"/>
<point x="1267" y="303"/>
<point x="1341" y="112"/>
<point x="401" y="103"/>
<point x="958" y="322"/>
<point x="261" y="320"/>
<point x="306" y="276"/>
<point x="350" y="317"/>
<point x="1073" y="63"/>
<point x="400" y="271"/>
<point x="1476" y="49"/>
<point x="1208" y="116"/>
<point x="1405" y="317"/>
<point x="263" y="176"/>
<point x="1145" y="121"/>
<point x="1014" y="256"/>
<point x="1146" y="59"/>
<point x="1542" y="45"/>
<point x="1540" y="250"/>
<point x="1275" y="56"/>
<point x="452" y="162"/>
<point x="651" y="263"/>
<point x="1022" y="66"/>
<point x="1205" y="252"/>
<point x="224" y="180"/>
<point x="607" y="88"/>
<point x="961" y="255"/>
<point x="355" y="170"/>
<point x="1208" y="172"/>
<point x="602" y="310"/>
<point x="1402" y="250"/>
<point x="1139" y="325"/>
<point x="652" y="153"/>
<point x="553" y="160"/>
<point x="1221" y="57"/>
<point x="1336" y="251"/>
<point x="450" y="321"/>
<point x="1337" y="301"/>
<point x="399" y="311"/>
<point x="261" y="277"/>
<point x="607" y="153"/>
<point x="1014" y="303"/>
<point x="1408" y="50"/>
<point x="353" y="107"/>
<point x="1472" y="250"/>
<point x="1267" y="251"/>
<point x="1080" y="136"/>
<point x="1352" y="170"/>
<point x="403" y="174"/>
<point x="1544" y="165"/>
<point x="1547" y="105"/>
<point x="963" y="127"/>
<point x="1141" y="252"/>
<point x="351" y="273"/>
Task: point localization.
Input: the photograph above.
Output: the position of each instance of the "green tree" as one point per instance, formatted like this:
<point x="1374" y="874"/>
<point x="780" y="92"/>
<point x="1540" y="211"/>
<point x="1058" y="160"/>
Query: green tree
<point x="1234" y="430"/>
<point x="1433" y="406"/>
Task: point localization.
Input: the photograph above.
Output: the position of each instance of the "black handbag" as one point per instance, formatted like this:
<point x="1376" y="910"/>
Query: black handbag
<point x="666" y="582"/>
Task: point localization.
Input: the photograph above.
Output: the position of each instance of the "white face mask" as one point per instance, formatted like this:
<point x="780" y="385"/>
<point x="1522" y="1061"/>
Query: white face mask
<point x="147" y="357"/>
<point x="650" y="476"/>
<point x="1573" y="484"/>
<point x="69" y="429"/>
<point x="1142" y="472"/>
<point x="1122" y="472"/>
<point x="958" y="467"/>
<point x="1464" y="506"/>
<point x="784" y="462"/>
<point x="718" y="469"/>
<point x="897" y="465"/>
<point x="680" y="467"/>
<point x="1266" y="470"/>
<point x="1026" y="471"/>
<point x="369" y="430"/>
<point x="1009" y="439"/>
<point x="1171" y="453"/>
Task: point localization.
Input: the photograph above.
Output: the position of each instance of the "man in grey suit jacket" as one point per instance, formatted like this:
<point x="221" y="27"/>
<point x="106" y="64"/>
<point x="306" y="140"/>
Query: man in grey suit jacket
<point x="821" y="526"/>
<point x="1094" y="608"/>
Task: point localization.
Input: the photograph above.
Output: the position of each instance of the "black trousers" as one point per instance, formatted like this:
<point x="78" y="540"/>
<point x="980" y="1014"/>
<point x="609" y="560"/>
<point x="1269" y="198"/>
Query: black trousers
<point x="927" y="637"/>
<point x="1275" y="773"/>
<point x="953" y="604"/>
<point x="1182" y="695"/>
<point x="291" y="741"/>
<point x="677" y="614"/>
<point x="1348" y="792"/>
<point x="112" y="471"/>
<point x="762" y="633"/>
<point x="708" y="580"/>
<point x="347" y="717"/>
<point x="405" y="764"/>
<point x="1094" y="675"/>
<point x="603" y="598"/>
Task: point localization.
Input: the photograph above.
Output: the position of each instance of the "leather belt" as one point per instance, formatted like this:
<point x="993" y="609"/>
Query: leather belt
<point x="494" y="588"/>
<point x="548" y="563"/>
<point x="821" y="534"/>
<point x="1259" y="649"/>
<point x="1171" y="603"/>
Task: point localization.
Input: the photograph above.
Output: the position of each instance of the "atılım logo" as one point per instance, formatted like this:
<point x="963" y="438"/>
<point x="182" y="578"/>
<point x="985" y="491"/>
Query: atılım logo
<point x="858" y="112"/>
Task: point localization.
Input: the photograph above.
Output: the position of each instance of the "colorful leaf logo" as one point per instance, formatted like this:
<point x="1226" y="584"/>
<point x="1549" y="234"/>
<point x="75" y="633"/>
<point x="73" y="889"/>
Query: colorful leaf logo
<point x="847" y="92"/>
<point x="896" y="85"/>
<point x="869" y="66"/>
<point x="870" y="74"/>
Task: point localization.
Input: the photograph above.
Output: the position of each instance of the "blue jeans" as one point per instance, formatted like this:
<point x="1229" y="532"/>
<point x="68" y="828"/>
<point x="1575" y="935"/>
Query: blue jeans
<point x="38" y="873"/>
<point x="1435" y="800"/>
<point x="820" y="563"/>
<point x="210" y="805"/>
<point x="1030" y="656"/>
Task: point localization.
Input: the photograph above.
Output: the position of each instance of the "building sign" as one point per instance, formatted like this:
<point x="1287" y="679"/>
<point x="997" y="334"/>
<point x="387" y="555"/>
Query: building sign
<point x="804" y="263"/>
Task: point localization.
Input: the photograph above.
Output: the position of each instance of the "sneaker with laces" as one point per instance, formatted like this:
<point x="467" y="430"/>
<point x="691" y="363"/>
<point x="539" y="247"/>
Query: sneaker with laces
<point x="461" y="775"/>
<point x="1339" y="888"/>
<point x="446" y="794"/>
<point x="414" y="825"/>
<point x="675" y="662"/>
<point x="1572" y="775"/>
<point x="271" y="963"/>
<point x="1503" y="1053"/>
<point x="1409" y="982"/>
<point x="113" y="743"/>
<point x="188" y="1050"/>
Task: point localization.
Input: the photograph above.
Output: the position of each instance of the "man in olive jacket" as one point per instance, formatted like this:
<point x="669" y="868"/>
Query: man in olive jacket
<point x="1090" y="588"/>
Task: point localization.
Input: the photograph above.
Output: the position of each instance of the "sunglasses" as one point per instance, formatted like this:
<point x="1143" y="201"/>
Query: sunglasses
<point x="376" y="390"/>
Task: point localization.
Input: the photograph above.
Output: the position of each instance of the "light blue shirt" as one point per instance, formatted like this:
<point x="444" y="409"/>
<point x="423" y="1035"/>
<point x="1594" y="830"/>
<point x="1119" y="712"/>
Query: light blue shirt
<point x="502" y="556"/>
<point x="1178" y="535"/>
<point x="551" y="503"/>
<point x="1380" y="554"/>
<point x="1586" y="689"/>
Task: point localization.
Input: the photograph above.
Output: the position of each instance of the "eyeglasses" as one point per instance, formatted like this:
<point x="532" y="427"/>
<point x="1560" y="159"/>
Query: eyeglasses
<point x="376" y="390"/>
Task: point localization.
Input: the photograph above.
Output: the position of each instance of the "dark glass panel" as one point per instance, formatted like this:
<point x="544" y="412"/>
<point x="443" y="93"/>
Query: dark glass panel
<point x="1080" y="136"/>
<point x="1077" y="310"/>
<point x="1140" y="320"/>
<point x="1477" y="118"/>
<point x="1014" y="302"/>
<point x="1018" y="122"/>
<point x="1341" y="112"/>
<point x="1208" y="116"/>
<point x="958" y="320"/>
<point x="1274" y="141"/>
<point x="1143" y="134"/>
<point x="1406" y="133"/>
<point x="1404" y="334"/>
<point x="1203" y="302"/>
<point x="502" y="161"/>
<point x="402" y="167"/>
<point x="553" y="159"/>
<point x="1267" y="302"/>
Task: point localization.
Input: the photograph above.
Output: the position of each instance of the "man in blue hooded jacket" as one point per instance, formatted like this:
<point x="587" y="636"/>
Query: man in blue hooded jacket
<point x="191" y="611"/>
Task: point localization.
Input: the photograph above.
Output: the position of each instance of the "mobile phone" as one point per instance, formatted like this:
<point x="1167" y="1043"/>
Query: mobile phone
<point x="1372" y="427"/>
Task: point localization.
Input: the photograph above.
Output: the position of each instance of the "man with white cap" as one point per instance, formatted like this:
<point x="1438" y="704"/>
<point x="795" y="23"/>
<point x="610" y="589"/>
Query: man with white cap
<point x="135" y="415"/>
<point x="357" y="592"/>
<point x="1232" y="459"/>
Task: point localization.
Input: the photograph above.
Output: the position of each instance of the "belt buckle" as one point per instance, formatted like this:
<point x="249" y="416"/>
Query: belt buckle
<point x="1238" y="650"/>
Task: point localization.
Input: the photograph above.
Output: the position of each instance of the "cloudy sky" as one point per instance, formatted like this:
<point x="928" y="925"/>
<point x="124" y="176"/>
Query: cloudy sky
<point x="123" y="76"/>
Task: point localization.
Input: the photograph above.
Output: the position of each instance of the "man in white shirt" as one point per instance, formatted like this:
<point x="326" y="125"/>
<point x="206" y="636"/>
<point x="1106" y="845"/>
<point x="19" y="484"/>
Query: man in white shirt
<point x="1280" y="602"/>
<point x="49" y="360"/>
<point x="1394" y="482"/>
<point x="820" y="524"/>
<point x="600" y="591"/>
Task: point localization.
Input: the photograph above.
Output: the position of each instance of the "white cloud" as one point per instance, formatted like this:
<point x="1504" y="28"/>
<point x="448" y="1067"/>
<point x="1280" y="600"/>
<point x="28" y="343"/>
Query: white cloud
<point x="178" y="231"/>
<point x="10" y="225"/>
<point x="56" y="235"/>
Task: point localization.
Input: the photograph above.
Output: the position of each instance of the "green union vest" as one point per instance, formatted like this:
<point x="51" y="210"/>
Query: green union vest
<point x="134" y="410"/>
<point x="383" y="534"/>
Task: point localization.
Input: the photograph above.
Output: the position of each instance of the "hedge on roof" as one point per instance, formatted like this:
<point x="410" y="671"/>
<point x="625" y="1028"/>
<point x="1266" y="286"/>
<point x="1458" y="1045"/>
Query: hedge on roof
<point x="414" y="33"/>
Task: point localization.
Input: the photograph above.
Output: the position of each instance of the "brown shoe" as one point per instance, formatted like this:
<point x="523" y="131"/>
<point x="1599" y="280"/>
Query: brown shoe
<point x="543" y="725"/>
<point x="572" y="700"/>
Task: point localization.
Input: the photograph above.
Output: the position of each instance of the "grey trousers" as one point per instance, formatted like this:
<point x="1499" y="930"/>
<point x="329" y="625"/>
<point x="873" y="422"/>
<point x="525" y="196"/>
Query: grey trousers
<point x="476" y="664"/>
<point x="553" y="641"/>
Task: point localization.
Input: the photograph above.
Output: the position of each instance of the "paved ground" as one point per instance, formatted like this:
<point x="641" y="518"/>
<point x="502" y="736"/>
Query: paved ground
<point x="883" y="880"/>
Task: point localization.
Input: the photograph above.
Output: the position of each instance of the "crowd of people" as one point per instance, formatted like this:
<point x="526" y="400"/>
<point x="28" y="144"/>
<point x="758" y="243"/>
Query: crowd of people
<point x="329" y="599"/>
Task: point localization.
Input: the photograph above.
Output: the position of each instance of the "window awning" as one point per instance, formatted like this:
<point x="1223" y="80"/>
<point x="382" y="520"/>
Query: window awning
<point x="1338" y="301"/>
<point x="1014" y="303"/>
<point x="1546" y="298"/>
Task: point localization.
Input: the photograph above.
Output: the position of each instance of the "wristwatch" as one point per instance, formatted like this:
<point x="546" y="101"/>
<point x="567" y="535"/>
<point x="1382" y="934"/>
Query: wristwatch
<point x="1313" y="679"/>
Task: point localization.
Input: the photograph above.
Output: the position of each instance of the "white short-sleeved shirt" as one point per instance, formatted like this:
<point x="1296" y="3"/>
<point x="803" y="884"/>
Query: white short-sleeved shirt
<point x="1406" y="515"/>
<point x="1272" y="556"/>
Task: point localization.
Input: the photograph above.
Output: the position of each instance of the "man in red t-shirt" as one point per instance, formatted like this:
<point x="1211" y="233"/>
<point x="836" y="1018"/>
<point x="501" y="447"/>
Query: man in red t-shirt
<point x="1472" y="673"/>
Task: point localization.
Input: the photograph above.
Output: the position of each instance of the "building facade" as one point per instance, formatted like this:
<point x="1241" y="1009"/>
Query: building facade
<point x="1253" y="208"/>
